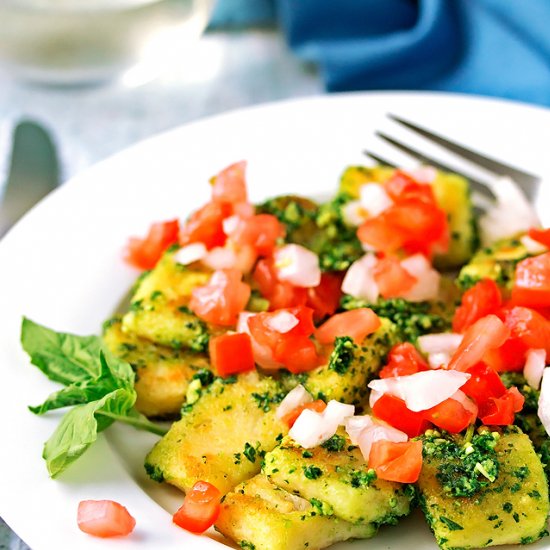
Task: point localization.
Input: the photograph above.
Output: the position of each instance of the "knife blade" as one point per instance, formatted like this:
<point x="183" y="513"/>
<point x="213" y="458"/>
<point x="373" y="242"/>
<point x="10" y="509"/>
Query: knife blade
<point x="33" y="172"/>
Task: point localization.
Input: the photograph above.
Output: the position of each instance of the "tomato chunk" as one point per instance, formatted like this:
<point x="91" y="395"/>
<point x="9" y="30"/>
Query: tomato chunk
<point x="229" y="186"/>
<point x="403" y="359"/>
<point x="231" y="353"/>
<point x="145" y="253"/>
<point x="381" y="235"/>
<point x="484" y="335"/>
<point x="500" y="411"/>
<point x="399" y="462"/>
<point x="221" y="299"/>
<point x="450" y="415"/>
<point x="392" y="279"/>
<point x="104" y="518"/>
<point x="324" y="298"/>
<point x="403" y="186"/>
<point x="261" y="232"/>
<point x="540" y="235"/>
<point x="318" y="406"/>
<point x="356" y="324"/>
<point x="532" y="283"/>
<point x="484" y="384"/>
<point x="477" y="302"/>
<point x="200" y="508"/>
<point x="206" y="225"/>
<point x="394" y="411"/>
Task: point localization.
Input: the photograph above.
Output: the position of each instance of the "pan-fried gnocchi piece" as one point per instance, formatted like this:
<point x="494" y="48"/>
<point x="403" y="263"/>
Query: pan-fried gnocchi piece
<point x="336" y="473"/>
<point x="258" y="515"/>
<point x="163" y="374"/>
<point x="158" y="310"/>
<point x="223" y="436"/>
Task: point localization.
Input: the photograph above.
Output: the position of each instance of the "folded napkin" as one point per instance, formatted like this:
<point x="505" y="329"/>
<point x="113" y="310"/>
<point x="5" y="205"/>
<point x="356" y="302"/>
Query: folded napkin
<point x="489" y="47"/>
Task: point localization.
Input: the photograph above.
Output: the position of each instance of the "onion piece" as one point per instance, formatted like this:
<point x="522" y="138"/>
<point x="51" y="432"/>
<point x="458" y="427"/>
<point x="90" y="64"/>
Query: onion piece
<point x="374" y="199"/>
<point x="428" y="279"/>
<point x="354" y="425"/>
<point x="282" y="322"/>
<point x="532" y="246"/>
<point x="220" y="257"/>
<point x="423" y="174"/>
<point x="336" y="413"/>
<point x="544" y="400"/>
<point x="354" y="214"/>
<point x="534" y="367"/>
<point x="374" y="397"/>
<point x="511" y="214"/>
<point x="231" y="224"/>
<point x="439" y="359"/>
<point x="297" y="265"/>
<point x="422" y="390"/>
<point x="311" y="429"/>
<point x="293" y="399"/>
<point x="190" y="253"/>
<point x="359" y="281"/>
<point x="444" y="342"/>
<point x="378" y="432"/>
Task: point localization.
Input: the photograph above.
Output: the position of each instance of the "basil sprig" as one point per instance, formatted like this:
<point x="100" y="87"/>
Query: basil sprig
<point x="99" y="387"/>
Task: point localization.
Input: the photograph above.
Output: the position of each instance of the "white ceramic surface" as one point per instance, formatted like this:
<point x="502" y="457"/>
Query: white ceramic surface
<point x="62" y="266"/>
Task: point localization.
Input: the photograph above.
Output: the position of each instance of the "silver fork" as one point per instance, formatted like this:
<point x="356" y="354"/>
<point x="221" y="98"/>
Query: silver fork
<point x="529" y="183"/>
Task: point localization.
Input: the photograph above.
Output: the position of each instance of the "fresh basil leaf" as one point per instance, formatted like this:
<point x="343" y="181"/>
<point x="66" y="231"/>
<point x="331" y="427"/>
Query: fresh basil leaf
<point x="136" y="419"/>
<point x="78" y="429"/>
<point x="62" y="357"/>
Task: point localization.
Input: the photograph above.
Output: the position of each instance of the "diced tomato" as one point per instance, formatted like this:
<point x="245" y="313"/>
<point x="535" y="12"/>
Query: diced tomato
<point x="403" y="359"/>
<point x="293" y="349"/>
<point x="104" y="518"/>
<point x="403" y="186"/>
<point x="486" y="334"/>
<point x="317" y="406"/>
<point x="529" y="326"/>
<point x="392" y="279"/>
<point x="450" y="415"/>
<point x="222" y="299"/>
<point x="381" y="235"/>
<point x="499" y="411"/>
<point x="484" y="384"/>
<point x="229" y="186"/>
<point x="260" y="231"/>
<point x="540" y="235"/>
<point x="280" y="294"/>
<point x="231" y="353"/>
<point x="200" y="508"/>
<point x="356" y="324"/>
<point x="394" y="411"/>
<point x="324" y="299"/>
<point x="145" y="253"/>
<point x="400" y="462"/>
<point x="477" y="302"/>
<point x="206" y="225"/>
<point x="532" y="282"/>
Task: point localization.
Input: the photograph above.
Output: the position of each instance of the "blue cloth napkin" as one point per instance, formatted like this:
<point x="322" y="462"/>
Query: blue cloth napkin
<point x="489" y="47"/>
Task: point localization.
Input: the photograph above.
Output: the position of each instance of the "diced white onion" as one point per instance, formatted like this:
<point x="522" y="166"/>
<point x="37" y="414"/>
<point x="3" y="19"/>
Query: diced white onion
<point x="423" y="174"/>
<point x="354" y="214"/>
<point x="294" y="398"/>
<point x="444" y="342"/>
<point x="297" y="265"/>
<point x="220" y="258"/>
<point x="231" y="224"/>
<point x="354" y="425"/>
<point x="282" y="322"/>
<point x="511" y="214"/>
<point x="374" y="397"/>
<point x="438" y="359"/>
<point x="242" y="321"/>
<point x="311" y="429"/>
<point x="466" y="402"/>
<point x="422" y="390"/>
<point x="374" y="198"/>
<point x="359" y="281"/>
<point x="337" y="412"/>
<point x="427" y="279"/>
<point x="532" y="246"/>
<point x="544" y="400"/>
<point x="534" y="367"/>
<point x="378" y="432"/>
<point x="190" y="253"/>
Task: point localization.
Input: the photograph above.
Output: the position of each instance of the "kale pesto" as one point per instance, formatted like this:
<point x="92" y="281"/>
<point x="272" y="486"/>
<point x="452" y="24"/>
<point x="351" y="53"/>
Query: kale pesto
<point x="342" y="356"/>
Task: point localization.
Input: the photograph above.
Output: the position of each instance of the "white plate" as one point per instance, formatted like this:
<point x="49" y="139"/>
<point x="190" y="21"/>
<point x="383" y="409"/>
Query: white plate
<point x="61" y="266"/>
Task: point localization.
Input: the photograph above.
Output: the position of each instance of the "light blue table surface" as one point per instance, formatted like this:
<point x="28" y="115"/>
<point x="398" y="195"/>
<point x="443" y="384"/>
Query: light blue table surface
<point x="226" y="71"/>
